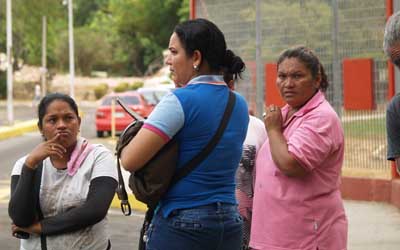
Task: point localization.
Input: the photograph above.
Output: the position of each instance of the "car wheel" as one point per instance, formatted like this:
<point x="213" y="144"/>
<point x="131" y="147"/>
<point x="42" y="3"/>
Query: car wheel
<point x="100" y="134"/>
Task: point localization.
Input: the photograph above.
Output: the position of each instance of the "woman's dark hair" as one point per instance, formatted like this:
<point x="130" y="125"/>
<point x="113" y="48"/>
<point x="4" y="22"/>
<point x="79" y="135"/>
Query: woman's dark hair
<point x="310" y="60"/>
<point x="204" y="36"/>
<point x="48" y="99"/>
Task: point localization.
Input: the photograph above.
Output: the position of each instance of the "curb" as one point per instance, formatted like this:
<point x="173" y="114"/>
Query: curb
<point x="18" y="129"/>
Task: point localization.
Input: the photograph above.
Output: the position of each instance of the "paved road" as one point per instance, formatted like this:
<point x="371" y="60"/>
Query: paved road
<point x="22" y="111"/>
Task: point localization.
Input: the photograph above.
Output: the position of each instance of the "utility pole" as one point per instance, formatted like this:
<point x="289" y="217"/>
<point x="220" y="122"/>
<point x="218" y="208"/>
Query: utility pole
<point x="71" y="49"/>
<point x="44" y="56"/>
<point x="10" y="114"/>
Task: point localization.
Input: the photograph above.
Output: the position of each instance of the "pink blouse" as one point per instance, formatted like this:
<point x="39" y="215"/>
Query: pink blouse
<point x="302" y="213"/>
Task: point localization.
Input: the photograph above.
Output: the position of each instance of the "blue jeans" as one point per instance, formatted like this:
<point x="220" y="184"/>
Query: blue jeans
<point x="216" y="226"/>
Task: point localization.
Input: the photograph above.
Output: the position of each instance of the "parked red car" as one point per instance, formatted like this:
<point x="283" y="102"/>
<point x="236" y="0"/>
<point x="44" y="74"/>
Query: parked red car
<point x="133" y="99"/>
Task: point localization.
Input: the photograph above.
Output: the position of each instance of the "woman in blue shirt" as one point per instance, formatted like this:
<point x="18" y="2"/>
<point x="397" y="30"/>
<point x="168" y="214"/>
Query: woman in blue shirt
<point x="200" y="211"/>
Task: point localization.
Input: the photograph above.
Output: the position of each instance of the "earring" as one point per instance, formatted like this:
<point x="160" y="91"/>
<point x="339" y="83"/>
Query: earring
<point x="196" y="67"/>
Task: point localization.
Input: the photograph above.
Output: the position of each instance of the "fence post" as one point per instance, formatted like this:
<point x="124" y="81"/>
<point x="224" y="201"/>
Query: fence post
<point x="337" y="72"/>
<point x="259" y="65"/>
<point x="192" y="13"/>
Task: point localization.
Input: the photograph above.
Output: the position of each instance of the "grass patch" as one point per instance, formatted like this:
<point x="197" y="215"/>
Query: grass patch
<point x="375" y="127"/>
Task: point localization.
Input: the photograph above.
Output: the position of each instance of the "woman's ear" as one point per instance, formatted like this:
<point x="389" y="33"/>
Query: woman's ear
<point x="197" y="58"/>
<point x="317" y="83"/>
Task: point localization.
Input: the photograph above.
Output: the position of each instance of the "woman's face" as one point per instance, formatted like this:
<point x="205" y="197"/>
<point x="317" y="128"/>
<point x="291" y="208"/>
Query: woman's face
<point x="180" y="64"/>
<point x="61" y="119"/>
<point x="295" y="82"/>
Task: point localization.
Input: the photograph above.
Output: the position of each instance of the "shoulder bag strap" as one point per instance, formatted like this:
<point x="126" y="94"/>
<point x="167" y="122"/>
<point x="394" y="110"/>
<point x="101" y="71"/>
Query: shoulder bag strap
<point x="122" y="194"/>
<point x="188" y="167"/>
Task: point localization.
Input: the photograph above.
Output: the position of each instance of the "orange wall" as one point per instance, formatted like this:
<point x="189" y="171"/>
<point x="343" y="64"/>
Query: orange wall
<point x="272" y="95"/>
<point x="358" y="87"/>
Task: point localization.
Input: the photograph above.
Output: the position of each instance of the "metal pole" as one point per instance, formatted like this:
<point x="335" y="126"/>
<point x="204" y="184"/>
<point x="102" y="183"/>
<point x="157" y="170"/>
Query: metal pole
<point x="113" y="117"/>
<point x="71" y="49"/>
<point x="396" y="7"/>
<point x="336" y="60"/>
<point x="10" y="114"/>
<point x="44" y="56"/>
<point x="259" y="64"/>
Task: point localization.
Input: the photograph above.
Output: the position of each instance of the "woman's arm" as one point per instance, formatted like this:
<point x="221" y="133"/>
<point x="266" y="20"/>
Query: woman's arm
<point x="286" y="163"/>
<point x="141" y="149"/>
<point x="281" y="156"/>
<point x="163" y="123"/>
<point x="23" y="203"/>
<point x="100" y="195"/>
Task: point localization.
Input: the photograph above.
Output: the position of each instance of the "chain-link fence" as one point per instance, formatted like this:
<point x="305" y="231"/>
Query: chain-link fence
<point x="336" y="30"/>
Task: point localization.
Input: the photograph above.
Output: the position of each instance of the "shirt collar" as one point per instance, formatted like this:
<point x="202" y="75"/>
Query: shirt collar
<point x="208" y="79"/>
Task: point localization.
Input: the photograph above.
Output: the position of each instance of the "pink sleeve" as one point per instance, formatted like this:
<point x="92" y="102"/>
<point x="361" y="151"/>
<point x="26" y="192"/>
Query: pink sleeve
<point x="312" y="142"/>
<point x="157" y="131"/>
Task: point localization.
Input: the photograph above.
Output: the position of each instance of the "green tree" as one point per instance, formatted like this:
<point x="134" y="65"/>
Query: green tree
<point x="27" y="27"/>
<point x="147" y="25"/>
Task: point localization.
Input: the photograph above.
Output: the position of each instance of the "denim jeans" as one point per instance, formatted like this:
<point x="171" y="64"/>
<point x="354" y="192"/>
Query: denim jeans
<point x="217" y="226"/>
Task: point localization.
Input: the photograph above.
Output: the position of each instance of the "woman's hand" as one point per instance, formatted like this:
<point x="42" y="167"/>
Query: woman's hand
<point x="273" y="118"/>
<point x="44" y="150"/>
<point x="35" y="228"/>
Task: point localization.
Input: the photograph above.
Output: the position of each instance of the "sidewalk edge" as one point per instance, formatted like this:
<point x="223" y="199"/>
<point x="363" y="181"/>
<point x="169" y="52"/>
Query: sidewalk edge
<point x="18" y="129"/>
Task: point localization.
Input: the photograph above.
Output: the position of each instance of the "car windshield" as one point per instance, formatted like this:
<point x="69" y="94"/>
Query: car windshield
<point x="128" y="100"/>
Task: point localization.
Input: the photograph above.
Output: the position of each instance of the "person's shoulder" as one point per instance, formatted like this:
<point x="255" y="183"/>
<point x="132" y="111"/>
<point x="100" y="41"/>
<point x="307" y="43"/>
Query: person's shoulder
<point x="395" y="99"/>
<point x="256" y="121"/>
<point x="258" y="127"/>
<point x="18" y="165"/>
<point x="239" y="96"/>
<point x="323" y="114"/>
<point x="394" y="104"/>
<point x="100" y="149"/>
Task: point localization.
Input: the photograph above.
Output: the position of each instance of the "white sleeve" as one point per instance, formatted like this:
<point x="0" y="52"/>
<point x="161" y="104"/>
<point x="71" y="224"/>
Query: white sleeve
<point x="18" y="166"/>
<point x="104" y="163"/>
<point x="256" y="133"/>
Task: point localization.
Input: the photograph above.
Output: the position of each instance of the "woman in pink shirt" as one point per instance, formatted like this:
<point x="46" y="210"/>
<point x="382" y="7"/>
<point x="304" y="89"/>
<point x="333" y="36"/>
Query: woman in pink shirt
<point x="297" y="203"/>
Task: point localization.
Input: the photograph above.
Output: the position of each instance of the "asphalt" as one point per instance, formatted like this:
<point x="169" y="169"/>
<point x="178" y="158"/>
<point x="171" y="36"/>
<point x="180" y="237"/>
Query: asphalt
<point x="372" y="225"/>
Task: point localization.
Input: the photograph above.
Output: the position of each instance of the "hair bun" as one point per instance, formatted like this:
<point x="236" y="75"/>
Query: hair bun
<point x="233" y="63"/>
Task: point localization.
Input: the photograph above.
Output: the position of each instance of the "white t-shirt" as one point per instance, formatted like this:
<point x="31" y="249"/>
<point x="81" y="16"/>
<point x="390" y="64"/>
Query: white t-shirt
<point x="255" y="137"/>
<point x="60" y="192"/>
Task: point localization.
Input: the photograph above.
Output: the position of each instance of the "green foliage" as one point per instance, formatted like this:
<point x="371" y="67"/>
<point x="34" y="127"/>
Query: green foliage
<point x="118" y="36"/>
<point x="91" y="49"/>
<point x="136" y="85"/>
<point x="184" y="11"/>
<point x="121" y="87"/>
<point x="27" y="27"/>
<point x="100" y="90"/>
<point x="147" y="25"/>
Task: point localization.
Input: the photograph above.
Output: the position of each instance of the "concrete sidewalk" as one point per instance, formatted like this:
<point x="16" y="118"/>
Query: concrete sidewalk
<point x="372" y="225"/>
